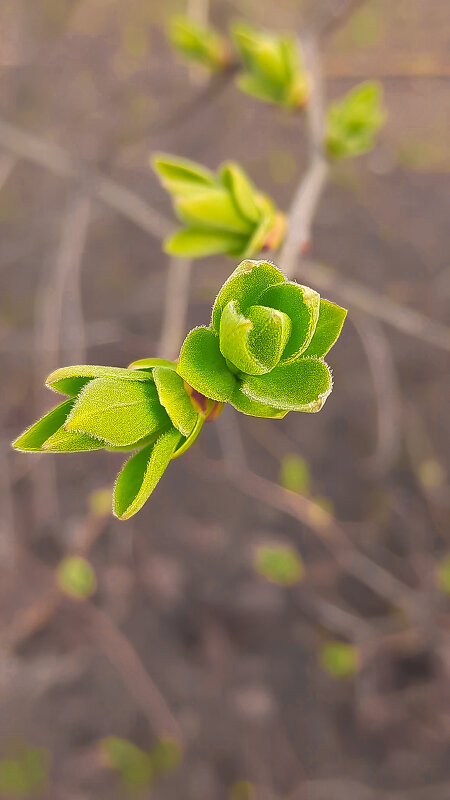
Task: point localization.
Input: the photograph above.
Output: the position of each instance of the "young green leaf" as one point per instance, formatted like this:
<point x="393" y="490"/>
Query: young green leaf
<point x="280" y="564"/>
<point x="180" y="175"/>
<point x="33" y="438"/>
<point x="133" y="764"/>
<point x="241" y="189"/>
<point x="339" y="659"/>
<point x="120" y="412"/>
<point x="141" y="473"/>
<point x="203" y="366"/>
<point x="198" y="243"/>
<point x="70" y="380"/>
<point x="214" y="209"/>
<point x="301" y="304"/>
<point x="76" y="577"/>
<point x="302" y="385"/>
<point x="63" y="441"/>
<point x="198" y="43"/>
<point x="328" y="328"/>
<point x="251" y="407"/>
<point x="294" y="474"/>
<point x="176" y="401"/>
<point x="354" y="121"/>
<point x="246" y="285"/>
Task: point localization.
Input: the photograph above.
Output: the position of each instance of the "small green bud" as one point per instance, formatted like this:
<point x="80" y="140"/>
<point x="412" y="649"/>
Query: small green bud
<point x="76" y="577"/>
<point x="280" y="564"/>
<point x="339" y="659"/>
<point x="354" y="121"/>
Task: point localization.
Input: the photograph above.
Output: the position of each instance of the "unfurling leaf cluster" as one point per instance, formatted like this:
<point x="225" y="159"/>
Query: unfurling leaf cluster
<point x="272" y="68"/>
<point x="221" y="213"/>
<point x="202" y="44"/>
<point x="262" y="353"/>
<point x="354" y="121"/>
<point x="270" y="64"/>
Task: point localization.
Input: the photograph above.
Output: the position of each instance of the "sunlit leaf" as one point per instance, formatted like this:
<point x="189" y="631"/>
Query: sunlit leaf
<point x="141" y="474"/>
<point x="118" y="411"/>
<point x="70" y="380"/>
<point x="33" y="438"/>
<point x="176" y="401"/>
<point x="203" y="366"/>
<point x="302" y="385"/>
<point x="328" y="328"/>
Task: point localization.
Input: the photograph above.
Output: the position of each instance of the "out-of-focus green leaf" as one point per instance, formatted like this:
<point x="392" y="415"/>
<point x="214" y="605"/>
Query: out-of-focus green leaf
<point x="279" y="563"/>
<point x="212" y="209"/>
<point x="302" y="385"/>
<point x="120" y="412"/>
<point x="273" y="70"/>
<point x="294" y="474"/>
<point x="180" y="175"/>
<point x="133" y="764"/>
<point x="198" y="43"/>
<point x="176" y="401"/>
<point x="242" y="790"/>
<point x="354" y="121"/>
<point x="203" y="366"/>
<point x="166" y="755"/>
<point x="339" y="659"/>
<point x="141" y="474"/>
<point x="443" y="575"/>
<point x="198" y="243"/>
<point x="241" y="189"/>
<point x="328" y="328"/>
<point x="76" y="577"/>
<point x="25" y="774"/>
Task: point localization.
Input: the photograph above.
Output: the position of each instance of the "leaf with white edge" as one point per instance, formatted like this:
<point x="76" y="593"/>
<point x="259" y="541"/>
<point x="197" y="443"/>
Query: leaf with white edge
<point x="174" y="398"/>
<point x="242" y="190"/>
<point x="245" y="285"/>
<point x="70" y="380"/>
<point x="301" y="304"/>
<point x="254" y="409"/>
<point x="202" y="365"/>
<point x="63" y="441"/>
<point x="141" y="473"/>
<point x="214" y="209"/>
<point x="118" y="411"/>
<point x="180" y="175"/>
<point x="328" y="328"/>
<point x="33" y="438"/>
<point x="196" y="243"/>
<point x="301" y="385"/>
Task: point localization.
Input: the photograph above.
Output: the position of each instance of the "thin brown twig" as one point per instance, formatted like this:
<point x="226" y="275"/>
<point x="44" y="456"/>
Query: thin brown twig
<point x="59" y="162"/>
<point x="355" y="295"/>
<point x="175" y="307"/>
<point x="386" y="392"/>
<point x="310" y="188"/>
<point x="119" y="650"/>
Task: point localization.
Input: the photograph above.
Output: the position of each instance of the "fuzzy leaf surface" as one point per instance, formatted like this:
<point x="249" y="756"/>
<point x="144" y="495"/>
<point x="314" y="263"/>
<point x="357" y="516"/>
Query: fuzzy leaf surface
<point x="176" y="401"/>
<point x="70" y="380"/>
<point x="118" y="411"/>
<point x="301" y="385"/>
<point x="203" y="366"/>
<point x="142" y="473"/>
<point x="245" y="285"/>
<point x="301" y="304"/>
<point x="328" y="328"/>
<point x="33" y="438"/>
<point x="252" y="408"/>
